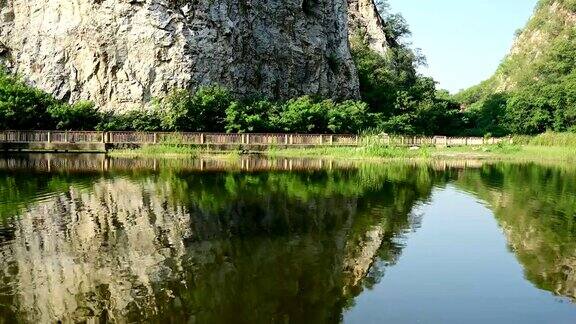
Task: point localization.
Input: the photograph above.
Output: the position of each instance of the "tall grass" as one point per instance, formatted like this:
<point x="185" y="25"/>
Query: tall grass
<point x="548" y="139"/>
<point x="160" y="149"/>
<point x="362" y="152"/>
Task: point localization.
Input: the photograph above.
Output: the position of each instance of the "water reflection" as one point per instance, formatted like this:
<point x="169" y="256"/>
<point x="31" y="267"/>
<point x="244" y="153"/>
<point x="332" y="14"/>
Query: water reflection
<point x="536" y="208"/>
<point x="178" y="242"/>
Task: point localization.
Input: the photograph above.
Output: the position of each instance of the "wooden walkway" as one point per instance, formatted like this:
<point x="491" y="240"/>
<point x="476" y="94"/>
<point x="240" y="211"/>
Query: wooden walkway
<point x="97" y="141"/>
<point x="83" y="163"/>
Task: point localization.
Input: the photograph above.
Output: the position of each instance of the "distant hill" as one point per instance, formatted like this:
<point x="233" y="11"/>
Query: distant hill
<point x="534" y="88"/>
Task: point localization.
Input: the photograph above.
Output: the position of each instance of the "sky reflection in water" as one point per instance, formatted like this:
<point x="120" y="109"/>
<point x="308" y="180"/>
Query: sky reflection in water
<point x="285" y="241"/>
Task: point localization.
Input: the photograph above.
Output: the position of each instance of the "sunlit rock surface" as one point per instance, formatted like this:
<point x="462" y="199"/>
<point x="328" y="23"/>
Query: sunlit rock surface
<point x="121" y="54"/>
<point x="364" y="20"/>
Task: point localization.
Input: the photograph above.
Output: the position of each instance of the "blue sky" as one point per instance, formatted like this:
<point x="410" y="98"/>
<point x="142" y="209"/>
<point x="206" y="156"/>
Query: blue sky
<point x="463" y="40"/>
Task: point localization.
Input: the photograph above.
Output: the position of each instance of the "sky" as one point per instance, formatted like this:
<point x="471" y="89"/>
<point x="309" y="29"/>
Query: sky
<point x="463" y="40"/>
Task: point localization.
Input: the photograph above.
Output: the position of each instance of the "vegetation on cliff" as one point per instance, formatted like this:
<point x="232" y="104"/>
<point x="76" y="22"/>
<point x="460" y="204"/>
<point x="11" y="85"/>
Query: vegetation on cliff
<point x="534" y="89"/>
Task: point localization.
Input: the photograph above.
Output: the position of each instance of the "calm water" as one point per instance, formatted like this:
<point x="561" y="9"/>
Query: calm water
<point x="85" y="238"/>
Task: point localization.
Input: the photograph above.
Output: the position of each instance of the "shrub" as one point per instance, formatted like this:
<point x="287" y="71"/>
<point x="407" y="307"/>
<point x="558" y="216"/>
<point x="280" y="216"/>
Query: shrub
<point x="349" y="117"/>
<point x="82" y="115"/>
<point x="249" y="117"/>
<point x="21" y="106"/>
<point x="400" y="124"/>
<point x="304" y="115"/>
<point x="204" y="110"/>
<point x="135" y="120"/>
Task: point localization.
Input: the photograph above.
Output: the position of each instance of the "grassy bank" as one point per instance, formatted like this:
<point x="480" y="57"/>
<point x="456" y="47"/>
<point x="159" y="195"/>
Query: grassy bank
<point x="496" y="152"/>
<point x="544" y="147"/>
<point x="172" y="151"/>
<point x="152" y="150"/>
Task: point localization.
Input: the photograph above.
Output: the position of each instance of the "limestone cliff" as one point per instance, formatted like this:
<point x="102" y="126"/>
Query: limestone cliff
<point x="120" y="54"/>
<point x="365" y="20"/>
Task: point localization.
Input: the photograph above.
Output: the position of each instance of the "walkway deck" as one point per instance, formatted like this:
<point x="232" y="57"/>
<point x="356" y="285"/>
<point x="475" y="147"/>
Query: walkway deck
<point x="91" y="141"/>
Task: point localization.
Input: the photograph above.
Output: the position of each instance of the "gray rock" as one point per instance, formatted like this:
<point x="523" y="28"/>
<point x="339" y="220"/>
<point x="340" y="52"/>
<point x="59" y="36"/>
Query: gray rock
<point x="364" y="20"/>
<point x="122" y="53"/>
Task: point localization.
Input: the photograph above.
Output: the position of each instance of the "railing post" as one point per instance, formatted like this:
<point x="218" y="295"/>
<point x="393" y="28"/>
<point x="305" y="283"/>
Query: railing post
<point x="357" y="140"/>
<point x="321" y="139"/>
<point x="66" y="137"/>
<point x="202" y="139"/>
<point x="331" y="139"/>
<point x="291" y="139"/>
<point x="155" y="138"/>
<point x="49" y="137"/>
<point x="247" y="138"/>
<point x="286" y="139"/>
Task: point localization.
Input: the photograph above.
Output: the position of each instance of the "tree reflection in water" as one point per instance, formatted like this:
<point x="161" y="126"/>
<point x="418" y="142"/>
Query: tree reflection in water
<point x="214" y="247"/>
<point x="231" y="246"/>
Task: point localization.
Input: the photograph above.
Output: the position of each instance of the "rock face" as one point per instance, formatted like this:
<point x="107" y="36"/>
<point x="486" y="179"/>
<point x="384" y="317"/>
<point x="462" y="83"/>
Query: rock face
<point x="365" y="20"/>
<point x="120" y="54"/>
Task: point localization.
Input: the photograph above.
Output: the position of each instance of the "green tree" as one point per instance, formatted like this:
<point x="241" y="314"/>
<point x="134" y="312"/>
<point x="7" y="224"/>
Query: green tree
<point x="304" y="115"/>
<point x="349" y="117"/>
<point x="249" y="117"/>
<point x="21" y="106"/>
<point x="82" y="115"/>
<point x="204" y="110"/>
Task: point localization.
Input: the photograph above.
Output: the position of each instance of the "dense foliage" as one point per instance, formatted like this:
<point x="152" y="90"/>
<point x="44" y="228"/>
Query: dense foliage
<point x="23" y="107"/>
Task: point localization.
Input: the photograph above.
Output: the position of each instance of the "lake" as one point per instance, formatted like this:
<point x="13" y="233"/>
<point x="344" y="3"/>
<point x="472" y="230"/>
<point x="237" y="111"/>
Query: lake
<point x="251" y="240"/>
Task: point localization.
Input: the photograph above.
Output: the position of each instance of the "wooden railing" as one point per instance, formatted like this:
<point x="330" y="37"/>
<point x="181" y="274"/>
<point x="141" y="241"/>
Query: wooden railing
<point x="91" y="163"/>
<point x="237" y="139"/>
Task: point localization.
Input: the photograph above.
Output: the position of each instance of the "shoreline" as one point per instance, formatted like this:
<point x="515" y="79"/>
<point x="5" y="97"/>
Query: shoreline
<point x="509" y="152"/>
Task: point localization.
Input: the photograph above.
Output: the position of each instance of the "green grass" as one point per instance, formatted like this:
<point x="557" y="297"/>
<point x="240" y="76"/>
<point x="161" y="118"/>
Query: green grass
<point x="560" y="147"/>
<point x="494" y="152"/>
<point x="363" y="152"/>
<point x="548" y="139"/>
<point x="151" y="150"/>
<point x="174" y="150"/>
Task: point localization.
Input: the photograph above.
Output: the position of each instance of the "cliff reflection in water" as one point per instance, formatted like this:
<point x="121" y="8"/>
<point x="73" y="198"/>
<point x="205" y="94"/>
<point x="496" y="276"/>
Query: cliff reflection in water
<point x="536" y="208"/>
<point x="215" y="241"/>
<point x="210" y="247"/>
